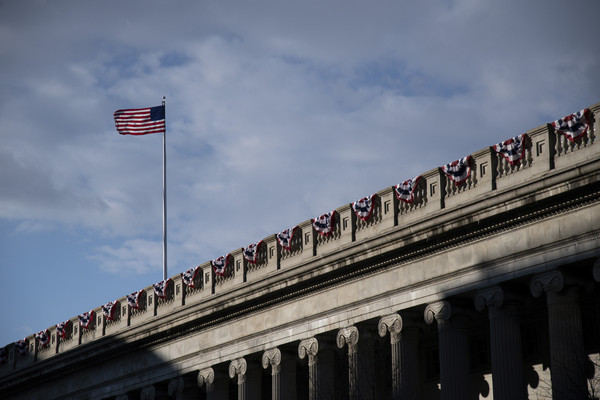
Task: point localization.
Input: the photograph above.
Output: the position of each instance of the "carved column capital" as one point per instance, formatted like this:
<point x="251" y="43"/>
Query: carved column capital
<point x="238" y="367"/>
<point x="175" y="386"/>
<point x="309" y="347"/>
<point x="440" y="311"/>
<point x="148" y="393"/>
<point x="206" y="377"/>
<point x="553" y="281"/>
<point x="272" y="357"/>
<point x="390" y="323"/>
<point x="596" y="270"/>
<point x="348" y="335"/>
<point x="490" y="297"/>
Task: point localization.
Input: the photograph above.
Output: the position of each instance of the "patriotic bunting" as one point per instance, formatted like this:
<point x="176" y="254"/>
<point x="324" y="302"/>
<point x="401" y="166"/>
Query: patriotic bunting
<point x="86" y="319"/>
<point x="574" y="125"/>
<point x="3" y="355"/>
<point x="251" y="252"/>
<point x="160" y="288"/>
<point x="406" y="189"/>
<point x="324" y="224"/>
<point x="189" y="276"/>
<point x="109" y="309"/>
<point x="22" y="346"/>
<point x="512" y="149"/>
<point x="459" y="170"/>
<point x="133" y="299"/>
<point x="61" y="329"/>
<point x="285" y="238"/>
<point x="220" y="264"/>
<point x="43" y="337"/>
<point x="364" y="207"/>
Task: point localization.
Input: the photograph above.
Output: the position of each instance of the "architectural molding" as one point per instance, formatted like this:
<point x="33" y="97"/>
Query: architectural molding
<point x="308" y="347"/>
<point x="489" y="297"/>
<point x="552" y="281"/>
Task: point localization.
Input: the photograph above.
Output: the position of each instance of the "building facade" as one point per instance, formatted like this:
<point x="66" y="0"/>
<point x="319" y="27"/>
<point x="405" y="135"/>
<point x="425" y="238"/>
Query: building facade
<point x="478" y="280"/>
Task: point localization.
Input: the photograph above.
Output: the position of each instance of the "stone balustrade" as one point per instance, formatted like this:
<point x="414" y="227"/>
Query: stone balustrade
<point x="493" y="182"/>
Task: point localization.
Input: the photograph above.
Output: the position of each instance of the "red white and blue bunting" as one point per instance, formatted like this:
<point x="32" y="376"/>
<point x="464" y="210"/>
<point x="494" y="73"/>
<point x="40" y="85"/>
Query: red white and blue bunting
<point x="459" y="170"/>
<point x="61" y="329"/>
<point x="363" y="208"/>
<point x="133" y="299"/>
<point x="406" y="189"/>
<point x="160" y="288"/>
<point x="189" y="276"/>
<point x="86" y="319"/>
<point x="251" y="252"/>
<point x="43" y="337"/>
<point x="324" y="224"/>
<point x="285" y="238"/>
<point x="220" y="264"/>
<point x="22" y="346"/>
<point x="512" y="149"/>
<point x="109" y="309"/>
<point x="575" y="125"/>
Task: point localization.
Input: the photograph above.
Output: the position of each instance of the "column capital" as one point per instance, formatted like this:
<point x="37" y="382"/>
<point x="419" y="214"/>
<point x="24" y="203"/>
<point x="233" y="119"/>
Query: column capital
<point x="391" y="323"/>
<point x="491" y="297"/>
<point x="348" y="335"/>
<point x="308" y="347"/>
<point x="272" y="357"/>
<point x="206" y="377"/>
<point x="440" y="311"/>
<point x="596" y="270"/>
<point x="148" y="393"/>
<point x="238" y="367"/>
<point x="175" y="386"/>
<point x="552" y="281"/>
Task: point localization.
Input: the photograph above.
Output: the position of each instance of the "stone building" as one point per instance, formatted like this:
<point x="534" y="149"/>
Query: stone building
<point x="480" y="289"/>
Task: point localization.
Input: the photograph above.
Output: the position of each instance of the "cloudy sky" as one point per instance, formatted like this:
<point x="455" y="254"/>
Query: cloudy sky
<point x="276" y="113"/>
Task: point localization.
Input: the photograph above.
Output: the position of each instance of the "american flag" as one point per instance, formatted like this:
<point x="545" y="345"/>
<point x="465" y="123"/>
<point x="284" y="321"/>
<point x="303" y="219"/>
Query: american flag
<point x="220" y="264"/>
<point x="109" y="309"/>
<point x="86" y="319"/>
<point x="406" y="189"/>
<point x="22" y="346"/>
<point x="61" y="329"/>
<point x="285" y="237"/>
<point x="160" y="288"/>
<point x="574" y="125"/>
<point x="140" y="121"/>
<point x="459" y="170"/>
<point x="512" y="149"/>
<point x="251" y="252"/>
<point x="325" y="223"/>
<point x="189" y="276"/>
<point x="364" y="207"/>
<point x="43" y="337"/>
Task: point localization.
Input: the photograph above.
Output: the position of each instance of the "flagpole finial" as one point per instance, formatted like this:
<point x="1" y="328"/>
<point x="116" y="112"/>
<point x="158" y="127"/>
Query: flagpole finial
<point x="163" y="100"/>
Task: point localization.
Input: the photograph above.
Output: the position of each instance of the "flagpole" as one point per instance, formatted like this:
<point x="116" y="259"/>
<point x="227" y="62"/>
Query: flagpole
<point x="165" y="195"/>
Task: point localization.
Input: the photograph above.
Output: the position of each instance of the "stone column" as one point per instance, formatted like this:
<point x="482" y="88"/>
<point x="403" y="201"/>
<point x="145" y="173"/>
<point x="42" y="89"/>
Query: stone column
<point x="567" y="355"/>
<point x="248" y="379"/>
<point x="153" y="392"/>
<point x="505" y="340"/>
<point x="454" y="349"/>
<point x="320" y="369"/>
<point x="283" y="380"/>
<point x="217" y="388"/>
<point x="183" y="388"/>
<point x="406" y="380"/>
<point x="360" y="367"/>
